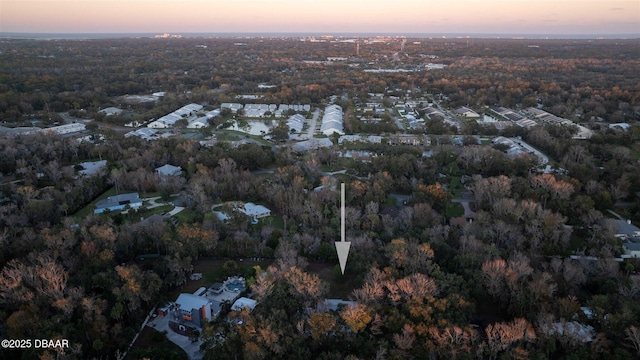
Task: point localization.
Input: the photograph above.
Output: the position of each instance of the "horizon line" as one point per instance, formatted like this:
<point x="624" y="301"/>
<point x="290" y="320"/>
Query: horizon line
<point x="537" y="36"/>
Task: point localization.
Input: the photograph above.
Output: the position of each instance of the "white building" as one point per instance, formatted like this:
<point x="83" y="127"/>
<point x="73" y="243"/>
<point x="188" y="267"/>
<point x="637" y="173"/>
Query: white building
<point x="296" y="123"/>
<point x="169" y="170"/>
<point x="199" y="123"/>
<point x="332" y="121"/>
<point x="186" y="112"/>
<point x="255" y="211"/>
<point x="242" y="303"/>
<point x="66" y="129"/>
<point x="374" y="139"/>
<point x="110" y="111"/>
<point x="194" y="308"/>
<point x="468" y="113"/>
<point x="90" y="168"/>
<point x="143" y="133"/>
<point x="234" y="107"/>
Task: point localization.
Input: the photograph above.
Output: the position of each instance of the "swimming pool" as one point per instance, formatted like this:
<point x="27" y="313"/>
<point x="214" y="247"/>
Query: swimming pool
<point x="236" y="286"/>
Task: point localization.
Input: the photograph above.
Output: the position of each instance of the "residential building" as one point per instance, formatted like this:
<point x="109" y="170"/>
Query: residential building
<point x="118" y="202"/>
<point x="66" y="129"/>
<point x="255" y="211"/>
<point x="199" y="123"/>
<point x="626" y="230"/>
<point x="92" y="167"/>
<point x="193" y="308"/>
<point x="144" y="133"/>
<point x="296" y="123"/>
<point x="332" y="121"/>
<point x="631" y="249"/>
<point x="169" y="120"/>
<point x="467" y="113"/>
<point x="374" y="139"/>
<point x="169" y="170"/>
<point x="242" y="303"/>
<point x="234" y="107"/>
<point x="110" y="111"/>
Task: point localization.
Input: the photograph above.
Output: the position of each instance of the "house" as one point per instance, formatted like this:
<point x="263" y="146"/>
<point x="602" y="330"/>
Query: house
<point x="169" y="120"/>
<point x="572" y="329"/>
<point x="255" y="211"/>
<point x="217" y="288"/>
<point x="110" y="111"/>
<point x="467" y="113"/>
<point x="242" y="303"/>
<point x="118" y="202"/>
<point x="144" y="133"/>
<point x="631" y="249"/>
<point x="250" y="209"/>
<point x="234" y="107"/>
<point x="373" y="139"/>
<point x="296" y="123"/>
<point x="626" y="230"/>
<point x="334" y="304"/>
<point x="195" y="309"/>
<point x="332" y="121"/>
<point x="66" y="129"/>
<point x="92" y="167"/>
<point x="199" y="123"/>
<point x="169" y="170"/>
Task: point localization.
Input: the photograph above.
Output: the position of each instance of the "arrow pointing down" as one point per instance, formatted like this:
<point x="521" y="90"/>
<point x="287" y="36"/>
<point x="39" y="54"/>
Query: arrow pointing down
<point x="342" y="246"/>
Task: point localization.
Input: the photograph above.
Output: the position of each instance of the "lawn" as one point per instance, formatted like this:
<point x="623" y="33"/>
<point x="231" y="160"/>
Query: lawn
<point x="85" y="211"/>
<point x="340" y="286"/>
<point x="454" y="210"/>
<point x="212" y="271"/>
<point x="152" y="344"/>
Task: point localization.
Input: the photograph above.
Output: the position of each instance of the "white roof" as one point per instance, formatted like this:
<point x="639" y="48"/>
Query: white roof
<point x="213" y="113"/>
<point x="574" y="329"/>
<point x="92" y="167"/>
<point x="296" y="122"/>
<point x="252" y="209"/>
<point x="188" y="302"/>
<point x="242" y="303"/>
<point x="232" y="106"/>
<point x="111" y="111"/>
<point x="333" y="304"/>
<point x="199" y="123"/>
<point x="169" y="170"/>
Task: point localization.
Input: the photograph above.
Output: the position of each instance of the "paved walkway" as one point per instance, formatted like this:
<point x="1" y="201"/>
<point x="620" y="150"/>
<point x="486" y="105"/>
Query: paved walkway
<point x="154" y="204"/>
<point x="465" y="205"/>
<point x="161" y="323"/>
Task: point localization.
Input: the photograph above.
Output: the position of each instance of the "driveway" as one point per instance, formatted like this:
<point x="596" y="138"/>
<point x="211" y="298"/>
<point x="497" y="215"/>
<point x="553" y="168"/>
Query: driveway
<point x="161" y="323"/>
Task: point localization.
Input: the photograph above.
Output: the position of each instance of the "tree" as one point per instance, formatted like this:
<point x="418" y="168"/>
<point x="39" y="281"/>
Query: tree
<point x="320" y="325"/>
<point x="633" y="338"/>
<point x="356" y="317"/>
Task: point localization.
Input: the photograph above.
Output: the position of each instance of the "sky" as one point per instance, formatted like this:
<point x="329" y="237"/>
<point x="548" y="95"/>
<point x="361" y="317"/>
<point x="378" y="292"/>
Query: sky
<point x="578" y="17"/>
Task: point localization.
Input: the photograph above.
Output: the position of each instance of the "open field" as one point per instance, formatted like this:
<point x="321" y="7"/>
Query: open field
<point x="154" y="345"/>
<point x="340" y="286"/>
<point x="213" y="271"/>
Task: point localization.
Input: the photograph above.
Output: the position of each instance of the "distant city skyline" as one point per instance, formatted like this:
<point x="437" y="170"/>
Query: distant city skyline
<point x="570" y="17"/>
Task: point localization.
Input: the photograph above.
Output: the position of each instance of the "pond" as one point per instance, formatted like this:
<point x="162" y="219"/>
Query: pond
<point x="254" y="127"/>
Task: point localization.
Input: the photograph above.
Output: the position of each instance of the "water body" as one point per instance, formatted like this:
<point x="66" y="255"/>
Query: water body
<point x="254" y="127"/>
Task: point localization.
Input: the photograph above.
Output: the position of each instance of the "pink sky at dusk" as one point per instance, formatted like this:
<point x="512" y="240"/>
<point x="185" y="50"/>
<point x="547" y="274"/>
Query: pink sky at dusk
<point x="324" y="16"/>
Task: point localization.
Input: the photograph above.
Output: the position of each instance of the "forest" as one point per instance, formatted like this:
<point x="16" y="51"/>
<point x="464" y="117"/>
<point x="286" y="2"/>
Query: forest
<point x="535" y="272"/>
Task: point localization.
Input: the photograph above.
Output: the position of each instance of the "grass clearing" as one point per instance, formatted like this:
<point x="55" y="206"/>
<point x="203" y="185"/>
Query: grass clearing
<point x="454" y="210"/>
<point x="85" y="211"/>
<point x="213" y="271"/>
<point x="152" y="344"/>
<point x="340" y="286"/>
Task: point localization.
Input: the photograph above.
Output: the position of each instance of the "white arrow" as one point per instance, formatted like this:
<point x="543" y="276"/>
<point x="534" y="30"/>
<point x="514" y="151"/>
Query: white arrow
<point x="342" y="247"/>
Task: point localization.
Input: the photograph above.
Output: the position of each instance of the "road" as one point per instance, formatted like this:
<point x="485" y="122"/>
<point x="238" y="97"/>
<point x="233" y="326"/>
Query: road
<point x="312" y="124"/>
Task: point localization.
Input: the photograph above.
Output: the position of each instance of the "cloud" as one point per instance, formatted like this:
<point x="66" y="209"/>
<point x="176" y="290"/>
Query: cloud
<point x="616" y="9"/>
